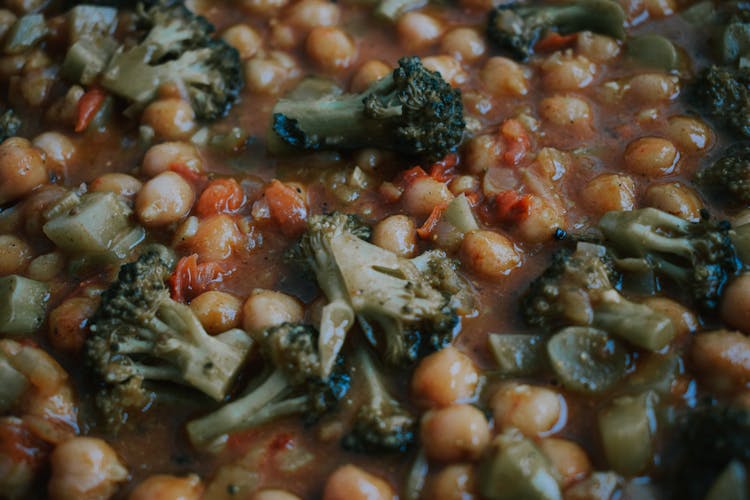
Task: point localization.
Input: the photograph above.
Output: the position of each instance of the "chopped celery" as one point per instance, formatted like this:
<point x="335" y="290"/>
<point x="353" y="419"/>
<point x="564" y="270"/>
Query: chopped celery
<point x="87" y="58"/>
<point x="516" y="469"/>
<point x="23" y="304"/>
<point x="731" y="483"/>
<point x="587" y="360"/>
<point x="89" y="21"/>
<point x="25" y="33"/>
<point x="99" y="224"/>
<point x="13" y="385"/>
<point x="518" y="354"/>
<point x="627" y="428"/>
<point x="460" y="215"/>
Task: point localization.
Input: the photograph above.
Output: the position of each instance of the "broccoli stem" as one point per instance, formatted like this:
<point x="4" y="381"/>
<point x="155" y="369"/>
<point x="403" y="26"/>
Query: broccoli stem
<point x="212" y="430"/>
<point x="637" y="323"/>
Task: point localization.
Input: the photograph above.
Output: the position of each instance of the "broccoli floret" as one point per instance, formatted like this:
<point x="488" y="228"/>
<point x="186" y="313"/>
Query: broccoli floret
<point x="412" y="111"/>
<point x="725" y="94"/>
<point x="517" y="26"/>
<point x="293" y="387"/>
<point x="705" y="441"/>
<point x="381" y="423"/>
<point x="10" y="124"/>
<point x="730" y="175"/>
<point x="578" y="289"/>
<point x="414" y="303"/>
<point x="178" y="47"/>
<point x="140" y="334"/>
<point x="698" y="256"/>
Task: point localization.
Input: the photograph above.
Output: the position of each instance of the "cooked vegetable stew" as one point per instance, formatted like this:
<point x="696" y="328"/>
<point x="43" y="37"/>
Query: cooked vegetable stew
<point x="368" y="249"/>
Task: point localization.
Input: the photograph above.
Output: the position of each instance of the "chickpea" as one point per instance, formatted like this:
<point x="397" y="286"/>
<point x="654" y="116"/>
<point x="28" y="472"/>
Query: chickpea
<point x="567" y="111"/>
<point x="266" y="308"/>
<point x="171" y="118"/>
<point x="164" y="487"/>
<point x="541" y="222"/>
<point x="503" y="77"/>
<point x="489" y="254"/>
<point x="15" y="254"/>
<point x="683" y="319"/>
<point x="58" y="148"/>
<point x="463" y="184"/>
<point x="533" y="410"/>
<point x="161" y="157"/>
<point x="455" y="433"/>
<point x="245" y="39"/>
<point x="608" y="192"/>
<point x="217" y="311"/>
<point x="68" y="323"/>
<point x="396" y="233"/>
<point x="444" y="378"/>
<point x="455" y="482"/>
<point x="349" y="482"/>
<point x="448" y="67"/>
<point x="652" y="88"/>
<point x="424" y="194"/>
<point x="85" y="468"/>
<point x="274" y="495"/>
<point x="465" y="44"/>
<point x="417" y="31"/>
<point x="45" y="267"/>
<point x="690" y="134"/>
<point x="564" y="71"/>
<point x="269" y="74"/>
<point x="674" y="198"/>
<point x="331" y="48"/>
<point x="724" y="357"/>
<point x="309" y="14"/>
<point x="652" y="157"/>
<point x="735" y="303"/>
<point x="482" y="153"/>
<point x="22" y="169"/>
<point x="283" y="35"/>
<point x="263" y="7"/>
<point x="597" y="48"/>
<point x="660" y="8"/>
<point x="123" y="184"/>
<point x="163" y="200"/>
<point x="368" y="73"/>
<point x="568" y="457"/>
<point x="216" y="238"/>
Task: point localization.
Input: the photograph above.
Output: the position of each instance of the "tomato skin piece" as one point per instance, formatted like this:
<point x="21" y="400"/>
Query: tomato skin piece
<point x="221" y="196"/>
<point x="287" y="208"/>
<point x="191" y="279"/>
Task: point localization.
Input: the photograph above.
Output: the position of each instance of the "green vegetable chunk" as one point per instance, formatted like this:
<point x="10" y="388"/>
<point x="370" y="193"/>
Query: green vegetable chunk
<point x="627" y="428"/>
<point x="516" y="469"/>
<point x="587" y="360"/>
<point x="518" y="354"/>
<point x="90" y="21"/>
<point x="731" y="484"/>
<point x="25" y="33"/>
<point x="23" y="304"/>
<point x="13" y="385"/>
<point x="654" y="51"/>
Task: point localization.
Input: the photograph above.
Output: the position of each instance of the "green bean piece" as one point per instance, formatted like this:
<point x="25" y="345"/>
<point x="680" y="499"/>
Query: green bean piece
<point x="23" y="304"/>
<point x="654" y="51"/>
<point x="627" y="428"/>
<point x="518" y="353"/>
<point x="587" y="360"/>
<point x="731" y="483"/>
<point x="642" y="327"/>
<point x="25" y="33"/>
<point x="516" y="469"/>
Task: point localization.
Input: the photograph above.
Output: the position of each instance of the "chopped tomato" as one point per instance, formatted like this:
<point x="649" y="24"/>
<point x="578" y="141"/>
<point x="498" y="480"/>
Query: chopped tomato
<point x="190" y="278"/>
<point x="555" y="41"/>
<point x="88" y="106"/>
<point x="221" y="196"/>
<point x="287" y="207"/>
<point x="441" y="170"/>
<point x="512" y="206"/>
<point x="425" y="232"/>
<point x="189" y="174"/>
<point x="517" y="141"/>
<point x="406" y="177"/>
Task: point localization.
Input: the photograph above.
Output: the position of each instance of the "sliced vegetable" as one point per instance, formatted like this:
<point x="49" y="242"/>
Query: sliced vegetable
<point x="514" y="468"/>
<point x="98" y="224"/>
<point x="13" y="387"/>
<point x="87" y="58"/>
<point x="460" y="215"/>
<point x="655" y="373"/>
<point x="731" y="484"/>
<point x="599" y="485"/>
<point x="627" y="428"/>
<point x="654" y="51"/>
<point x="644" y="327"/>
<point x="23" y="305"/>
<point x="90" y="21"/>
<point x="25" y="33"/>
<point x="586" y="359"/>
<point x="518" y="354"/>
